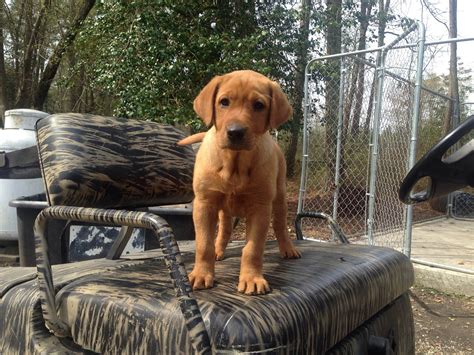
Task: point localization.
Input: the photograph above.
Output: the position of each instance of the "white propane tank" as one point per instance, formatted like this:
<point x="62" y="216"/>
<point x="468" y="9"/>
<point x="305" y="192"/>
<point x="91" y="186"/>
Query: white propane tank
<point x="19" y="133"/>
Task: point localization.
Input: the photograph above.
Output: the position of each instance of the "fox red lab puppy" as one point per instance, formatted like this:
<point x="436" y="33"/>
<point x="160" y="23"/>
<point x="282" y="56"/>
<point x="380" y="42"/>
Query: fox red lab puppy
<point x="240" y="171"/>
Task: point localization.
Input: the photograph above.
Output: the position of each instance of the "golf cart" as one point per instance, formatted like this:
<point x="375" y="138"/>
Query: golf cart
<point x="339" y="298"/>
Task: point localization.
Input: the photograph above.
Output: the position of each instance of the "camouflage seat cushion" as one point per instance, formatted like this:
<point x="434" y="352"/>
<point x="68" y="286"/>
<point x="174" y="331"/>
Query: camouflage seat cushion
<point x="316" y="302"/>
<point x="108" y="162"/>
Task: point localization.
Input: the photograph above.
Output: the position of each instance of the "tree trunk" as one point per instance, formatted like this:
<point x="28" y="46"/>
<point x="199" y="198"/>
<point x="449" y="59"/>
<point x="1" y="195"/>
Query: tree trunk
<point x="452" y="116"/>
<point x="301" y="61"/>
<point x="4" y="102"/>
<point x="76" y="99"/>
<point x="349" y="100"/>
<point x="16" y="43"/>
<point x="370" y="106"/>
<point x="356" y="93"/>
<point x="383" y="15"/>
<point x="333" y="46"/>
<point x="366" y="10"/>
<point x="55" y="59"/>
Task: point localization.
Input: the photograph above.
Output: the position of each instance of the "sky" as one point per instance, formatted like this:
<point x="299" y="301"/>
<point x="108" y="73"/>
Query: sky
<point x="436" y="31"/>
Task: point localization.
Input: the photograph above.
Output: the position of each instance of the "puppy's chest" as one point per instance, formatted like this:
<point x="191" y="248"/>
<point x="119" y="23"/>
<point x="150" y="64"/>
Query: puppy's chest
<point x="236" y="205"/>
<point x="233" y="177"/>
<point x="240" y="193"/>
<point x="234" y="182"/>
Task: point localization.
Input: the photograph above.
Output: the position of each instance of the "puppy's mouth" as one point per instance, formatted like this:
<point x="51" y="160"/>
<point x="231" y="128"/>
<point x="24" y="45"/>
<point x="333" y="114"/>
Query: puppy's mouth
<point x="237" y="146"/>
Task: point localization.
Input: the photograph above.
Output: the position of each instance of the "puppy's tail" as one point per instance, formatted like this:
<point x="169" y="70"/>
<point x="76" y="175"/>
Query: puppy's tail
<point x="195" y="138"/>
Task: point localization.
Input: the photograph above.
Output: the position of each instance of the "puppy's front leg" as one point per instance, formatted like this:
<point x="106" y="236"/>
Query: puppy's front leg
<point x="205" y="221"/>
<point x="251" y="280"/>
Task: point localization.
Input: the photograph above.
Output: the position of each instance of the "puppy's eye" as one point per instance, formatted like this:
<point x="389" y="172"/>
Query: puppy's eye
<point x="258" y="106"/>
<point x="224" y="102"/>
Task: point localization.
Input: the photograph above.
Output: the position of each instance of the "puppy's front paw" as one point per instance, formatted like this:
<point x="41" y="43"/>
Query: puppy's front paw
<point x="201" y="279"/>
<point x="288" y="251"/>
<point x="253" y="285"/>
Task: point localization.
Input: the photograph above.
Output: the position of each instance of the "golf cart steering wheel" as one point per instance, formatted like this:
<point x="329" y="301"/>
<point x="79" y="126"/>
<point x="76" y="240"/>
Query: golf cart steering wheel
<point x="446" y="174"/>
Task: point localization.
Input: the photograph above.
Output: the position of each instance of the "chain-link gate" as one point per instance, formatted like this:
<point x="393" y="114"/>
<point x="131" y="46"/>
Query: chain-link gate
<point x="358" y="114"/>
<point x="363" y="112"/>
<point x="461" y="203"/>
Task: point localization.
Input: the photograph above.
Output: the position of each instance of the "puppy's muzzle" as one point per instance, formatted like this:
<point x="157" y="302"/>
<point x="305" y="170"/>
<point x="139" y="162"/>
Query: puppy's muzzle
<point x="236" y="133"/>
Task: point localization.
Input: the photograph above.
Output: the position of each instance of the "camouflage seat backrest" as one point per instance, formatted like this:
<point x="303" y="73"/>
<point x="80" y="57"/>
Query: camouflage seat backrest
<point x="108" y="162"/>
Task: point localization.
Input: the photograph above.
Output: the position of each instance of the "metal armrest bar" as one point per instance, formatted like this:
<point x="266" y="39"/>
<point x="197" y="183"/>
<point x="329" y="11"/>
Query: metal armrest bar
<point x="189" y="307"/>
<point x="332" y="223"/>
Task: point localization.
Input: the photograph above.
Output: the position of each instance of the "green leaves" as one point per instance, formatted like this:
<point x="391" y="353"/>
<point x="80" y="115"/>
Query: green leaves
<point x="153" y="57"/>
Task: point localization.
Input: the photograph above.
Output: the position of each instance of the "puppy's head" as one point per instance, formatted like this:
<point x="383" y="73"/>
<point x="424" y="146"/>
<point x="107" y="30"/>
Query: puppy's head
<point x="242" y="105"/>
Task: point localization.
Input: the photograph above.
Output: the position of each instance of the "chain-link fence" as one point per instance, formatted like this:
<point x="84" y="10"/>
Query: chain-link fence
<point x="363" y="113"/>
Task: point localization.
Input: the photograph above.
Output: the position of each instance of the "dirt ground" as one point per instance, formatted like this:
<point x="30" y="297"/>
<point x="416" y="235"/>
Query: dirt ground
<point x="444" y="324"/>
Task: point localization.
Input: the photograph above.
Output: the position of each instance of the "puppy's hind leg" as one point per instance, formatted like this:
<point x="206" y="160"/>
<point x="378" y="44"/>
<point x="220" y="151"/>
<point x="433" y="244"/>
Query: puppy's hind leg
<point x="224" y="233"/>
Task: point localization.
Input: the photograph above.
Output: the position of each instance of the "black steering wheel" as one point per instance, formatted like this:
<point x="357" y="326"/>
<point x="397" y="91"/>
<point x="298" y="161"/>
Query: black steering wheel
<point x="446" y="174"/>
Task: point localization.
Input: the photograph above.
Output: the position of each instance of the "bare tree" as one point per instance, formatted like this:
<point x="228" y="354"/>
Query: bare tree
<point x="356" y="87"/>
<point x="4" y="102"/>
<point x="34" y="36"/>
<point x="55" y="59"/>
<point x="366" y="11"/>
<point x="301" y="61"/>
<point x="333" y="46"/>
<point x="383" y="8"/>
<point x="452" y="116"/>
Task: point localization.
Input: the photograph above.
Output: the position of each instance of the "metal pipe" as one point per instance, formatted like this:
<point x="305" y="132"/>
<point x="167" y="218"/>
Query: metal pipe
<point x="376" y="49"/>
<point x="414" y="132"/>
<point x="339" y="55"/>
<point x="340" y="121"/>
<point x="444" y="41"/>
<point x="409" y="30"/>
<point x="304" y="161"/>
<point x="442" y="266"/>
<point x="194" y="323"/>
<point x="406" y="81"/>
<point x="380" y="71"/>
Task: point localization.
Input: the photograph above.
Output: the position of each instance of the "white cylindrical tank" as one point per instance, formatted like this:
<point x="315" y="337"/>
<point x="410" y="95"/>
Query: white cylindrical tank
<point x="19" y="133"/>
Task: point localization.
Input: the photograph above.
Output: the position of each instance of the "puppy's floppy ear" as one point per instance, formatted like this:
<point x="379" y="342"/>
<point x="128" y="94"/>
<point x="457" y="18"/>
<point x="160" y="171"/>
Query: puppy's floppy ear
<point x="280" y="110"/>
<point x="205" y="101"/>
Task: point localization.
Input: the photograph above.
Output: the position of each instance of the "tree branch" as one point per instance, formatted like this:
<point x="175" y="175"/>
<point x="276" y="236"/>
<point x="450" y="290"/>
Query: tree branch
<point x="55" y="59"/>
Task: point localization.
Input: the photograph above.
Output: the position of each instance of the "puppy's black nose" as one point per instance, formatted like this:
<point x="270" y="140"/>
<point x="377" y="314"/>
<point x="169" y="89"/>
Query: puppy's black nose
<point x="235" y="132"/>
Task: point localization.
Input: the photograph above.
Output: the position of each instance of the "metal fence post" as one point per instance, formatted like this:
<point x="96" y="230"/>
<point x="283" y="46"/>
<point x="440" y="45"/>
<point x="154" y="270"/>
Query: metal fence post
<point x="304" y="160"/>
<point x="340" y="120"/>
<point x="380" y="72"/>
<point x="414" y="132"/>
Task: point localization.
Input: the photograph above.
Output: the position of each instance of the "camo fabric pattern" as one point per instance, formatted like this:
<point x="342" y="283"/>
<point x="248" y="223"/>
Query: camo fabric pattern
<point x="22" y="327"/>
<point x="318" y="303"/>
<point x="108" y="162"/>
<point x="172" y="256"/>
